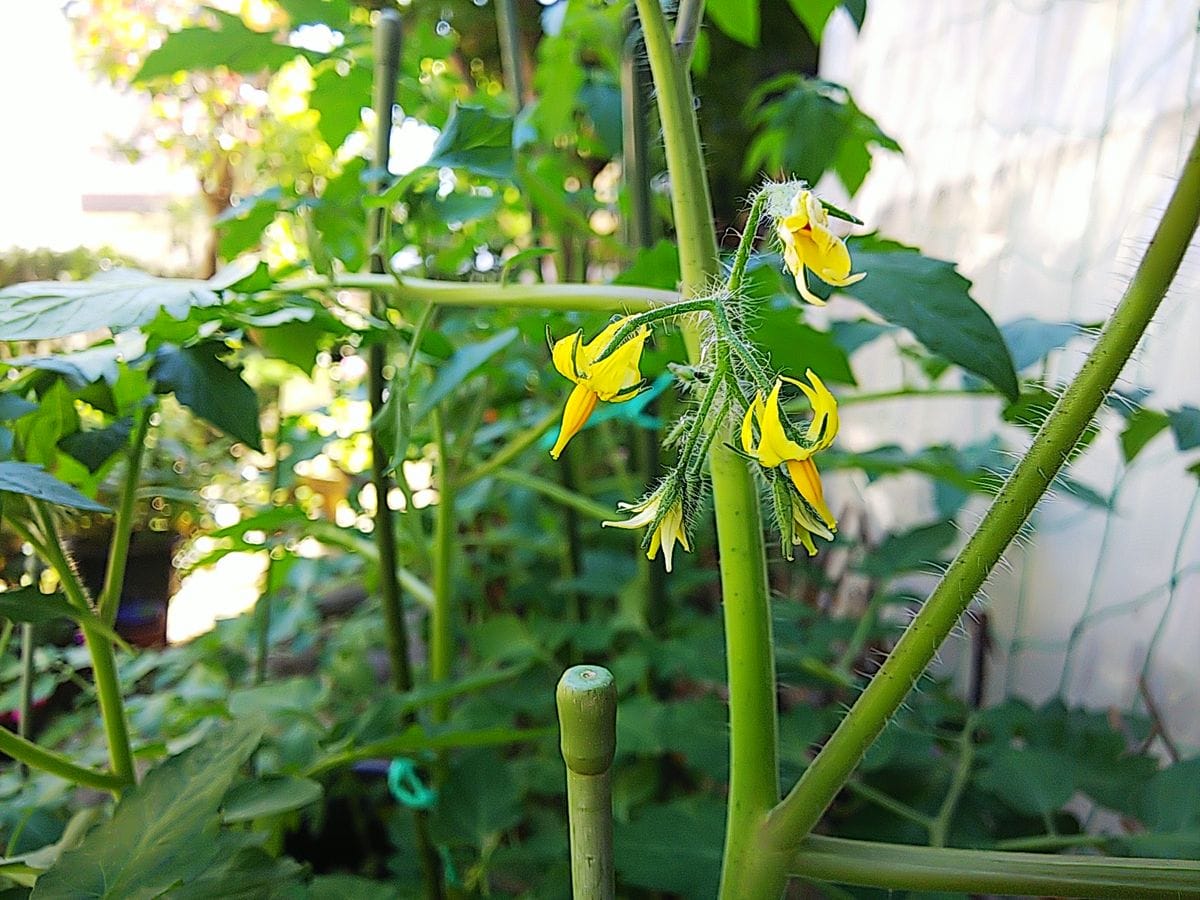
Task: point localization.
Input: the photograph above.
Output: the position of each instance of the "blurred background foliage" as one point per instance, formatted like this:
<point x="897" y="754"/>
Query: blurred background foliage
<point x="259" y="447"/>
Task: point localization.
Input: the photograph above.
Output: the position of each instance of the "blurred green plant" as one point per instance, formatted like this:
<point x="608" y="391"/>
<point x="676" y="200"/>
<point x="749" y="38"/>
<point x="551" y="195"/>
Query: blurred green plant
<point x="488" y="242"/>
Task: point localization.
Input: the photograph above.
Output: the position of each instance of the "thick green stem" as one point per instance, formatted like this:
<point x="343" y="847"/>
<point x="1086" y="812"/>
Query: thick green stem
<point x="104" y="662"/>
<point x="387" y="53"/>
<point x="441" y="614"/>
<point x="262" y="609"/>
<point x="688" y="18"/>
<point x="35" y="757"/>
<point x="587" y="715"/>
<point x="508" y="32"/>
<point x="803" y="807"/>
<point x="754" y="766"/>
<point x="387" y="64"/>
<point x="898" y="867"/>
<point x="612" y="298"/>
<point x="109" y="600"/>
<point x="25" y="708"/>
<point x="639" y="233"/>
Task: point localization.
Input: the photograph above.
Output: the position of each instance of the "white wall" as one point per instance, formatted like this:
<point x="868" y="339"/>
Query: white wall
<point x="1041" y="142"/>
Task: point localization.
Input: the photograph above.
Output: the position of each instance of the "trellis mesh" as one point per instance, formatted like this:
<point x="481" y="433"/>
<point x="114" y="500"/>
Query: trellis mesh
<point x="1042" y="140"/>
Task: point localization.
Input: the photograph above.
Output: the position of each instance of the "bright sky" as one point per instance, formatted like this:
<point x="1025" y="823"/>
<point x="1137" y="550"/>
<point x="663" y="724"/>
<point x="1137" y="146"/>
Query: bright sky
<point x="55" y="146"/>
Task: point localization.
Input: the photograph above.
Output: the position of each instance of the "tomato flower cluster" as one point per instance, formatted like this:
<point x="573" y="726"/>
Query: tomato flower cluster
<point x="733" y="385"/>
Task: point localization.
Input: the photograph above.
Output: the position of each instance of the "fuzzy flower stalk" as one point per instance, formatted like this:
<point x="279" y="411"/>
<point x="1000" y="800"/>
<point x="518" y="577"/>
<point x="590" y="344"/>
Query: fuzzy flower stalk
<point x="663" y="513"/>
<point x="731" y="379"/>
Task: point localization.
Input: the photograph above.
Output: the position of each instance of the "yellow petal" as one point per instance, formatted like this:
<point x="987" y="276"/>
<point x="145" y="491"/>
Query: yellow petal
<point x="825" y="423"/>
<point x="748" y="424"/>
<point x="565" y="356"/>
<point x="620" y="371"/>
<point x="802" y="287"/>
<point x="597" y="344"/>
<point x="579" y="406"/>
<point x="655" y="543"/>
<point x="774" y="446"/>
<point x="808" y="482"/>
<point x="645" y="513"/>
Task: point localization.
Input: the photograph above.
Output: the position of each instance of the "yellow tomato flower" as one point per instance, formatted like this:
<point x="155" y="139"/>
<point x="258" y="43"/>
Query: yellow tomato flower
<point x="809" y="244"/>
<point x="614" y="379"/>
<point x="775" y="448"/>
<point x="669" y="530"/>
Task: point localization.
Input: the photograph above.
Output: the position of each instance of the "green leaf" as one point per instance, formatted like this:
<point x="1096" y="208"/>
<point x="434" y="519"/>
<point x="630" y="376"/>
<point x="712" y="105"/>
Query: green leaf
<point x="473" y="804"/>
<point x="461" y="207"/>
<point x="477" y="141"/>
<point x="232" y="45"/>
<point x="96" y="446"/>
<point x="465" y="362"/>
<point x="28" y="604"/>
<point x="673" y="847"/>
<point x="122" y="298"/>
<point x="341" y="887"/>
<point x="1185" y="426"/>
<point x="338" y="217"/>
<point x="851" y="335"/>
<point x="656" y="267"/>
<point x="14" y="407"/>
<point x="933" y="301"/>
<point x="209" y="388"/>
<point x="521" y="259"/>
<point x="1141" y="427"/>
<point x="1170" y="808"/>
<point x="806" y="126"/>
<point x="153" y="840"/>
<point x="601" y="102"/>
<point x="814" y="14"/>
<point x="296" y="696"/>
<point x="1032" y="340"/>
<point x="794" y="347"/>
<point x="293" y="342"/>
<point x="234" y="869"/>
<point x="317" y="12"/>
<point x="271" y="795"/>
<point x="34" y="481"/>
<point x="914" y="550"/>
<point x="241" y="226"/>
<point x="1031" y="781"/>
<point x="737" y="18"/>
<point x="339" y="99"/>
<point x="83" y="367"/>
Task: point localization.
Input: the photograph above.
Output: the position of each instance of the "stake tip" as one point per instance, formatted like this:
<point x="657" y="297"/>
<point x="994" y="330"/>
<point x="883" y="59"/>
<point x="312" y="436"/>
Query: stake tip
<point x="587" y="715"/>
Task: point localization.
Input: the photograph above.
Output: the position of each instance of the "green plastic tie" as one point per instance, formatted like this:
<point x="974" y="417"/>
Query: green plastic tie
<point x="406" y="785"/>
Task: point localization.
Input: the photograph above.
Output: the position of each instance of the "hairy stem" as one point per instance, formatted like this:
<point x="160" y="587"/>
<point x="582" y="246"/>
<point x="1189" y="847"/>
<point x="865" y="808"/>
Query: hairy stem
<point x="899" y="867"/>
<point x="613" y="298"/>
<point x="754" y="766"/>
<point x="441" y="614"/>
<point x="109" y="600"/>
<point x="104" y="662"/>
<point x="387" y="64"/>
<point x="35" y="757"/>
<point x="795" y="817"/>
